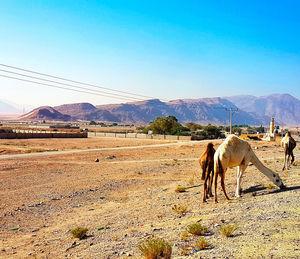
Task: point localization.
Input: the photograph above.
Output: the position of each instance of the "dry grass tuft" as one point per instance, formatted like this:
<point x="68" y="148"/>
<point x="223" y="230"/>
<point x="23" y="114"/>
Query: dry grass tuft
<point x="185" y="236"/>
<point x="38" y="150"/>
<point x="227" y="229"/>
<point x="270" y="186"/>
<point x="155" y="248"/>
<point x="79" y="232"/>
<point x="192" y="181"/>
<point x="180" y="189"/>
<point x="180" y="209"/>
<point x="197" y="229"/>
<point x="185" y="250"/>
<point x="201" y="243"/>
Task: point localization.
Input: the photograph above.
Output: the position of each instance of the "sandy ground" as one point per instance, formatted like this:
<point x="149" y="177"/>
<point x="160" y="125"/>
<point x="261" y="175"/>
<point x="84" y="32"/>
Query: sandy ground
<point x="130" y="194"/>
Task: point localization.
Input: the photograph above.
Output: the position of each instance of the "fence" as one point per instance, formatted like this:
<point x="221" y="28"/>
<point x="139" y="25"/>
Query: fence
<point x="138" y="136"/>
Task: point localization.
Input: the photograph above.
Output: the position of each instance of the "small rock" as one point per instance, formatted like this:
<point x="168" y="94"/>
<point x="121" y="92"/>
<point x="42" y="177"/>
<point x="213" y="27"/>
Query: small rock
<point x="128" y="254"/>
<point x="157" y="229"/>
<point x="111" y="157"/>
<point x="97" y="160"/>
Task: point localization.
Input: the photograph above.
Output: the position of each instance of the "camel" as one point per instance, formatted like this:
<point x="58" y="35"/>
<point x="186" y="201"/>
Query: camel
<point x="207" y="164"/>
<point x="288" y="143"/>
<point x="237" y="152"/>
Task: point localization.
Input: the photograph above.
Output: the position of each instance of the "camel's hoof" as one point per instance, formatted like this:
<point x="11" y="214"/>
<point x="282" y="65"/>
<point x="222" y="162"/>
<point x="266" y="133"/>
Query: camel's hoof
<point x="282" y="187"/>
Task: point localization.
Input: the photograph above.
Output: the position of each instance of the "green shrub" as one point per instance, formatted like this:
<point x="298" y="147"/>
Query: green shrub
<point x="155" y="248"/>
<point x="201" y="243"/>
<point x="197" y="229"/>
<point x="227" y="229"/>
<point x="180" y="209"/>
<point x="180" y="189"/>
<point x="79" y="232"/>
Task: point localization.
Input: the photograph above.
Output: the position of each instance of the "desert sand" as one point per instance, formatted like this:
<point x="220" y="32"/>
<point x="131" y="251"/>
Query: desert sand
<point x="128" y="197"/>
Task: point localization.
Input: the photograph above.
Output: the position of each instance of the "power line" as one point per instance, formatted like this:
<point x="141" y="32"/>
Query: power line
<point x="84" y="88"/>
<point x="77" y="82"/>
<point x="60" y="87"/>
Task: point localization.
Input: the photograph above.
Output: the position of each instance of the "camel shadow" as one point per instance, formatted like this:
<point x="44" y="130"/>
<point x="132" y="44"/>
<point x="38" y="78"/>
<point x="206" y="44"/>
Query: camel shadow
<point x="258" y="188"/>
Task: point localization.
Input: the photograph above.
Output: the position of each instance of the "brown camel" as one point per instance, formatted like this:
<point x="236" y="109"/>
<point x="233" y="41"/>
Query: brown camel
<point x="207" y="164"/>
<point x="237" y="152"/>
<point x="288" y="143"/>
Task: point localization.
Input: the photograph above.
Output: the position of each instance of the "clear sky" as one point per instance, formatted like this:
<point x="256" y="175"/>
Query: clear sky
<point x="166" y="49"/>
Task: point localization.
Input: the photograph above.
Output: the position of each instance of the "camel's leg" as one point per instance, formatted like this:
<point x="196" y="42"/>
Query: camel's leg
<point x="216" y="183"/>
<point x="205" y="188"/>
<point x="211" y="183"/>
<point x="240" y="170"/>
<point x="211" y="178"/>
<point x="288" y="164"/>
<point x="293" y="157"/>
<point x="208" y="187"/>
<point x="223" y="186"/>
<point x="285" y="154"/>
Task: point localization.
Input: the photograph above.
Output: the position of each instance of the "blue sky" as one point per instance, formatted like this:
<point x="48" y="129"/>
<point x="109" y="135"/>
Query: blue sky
<point x="165" y="49"/>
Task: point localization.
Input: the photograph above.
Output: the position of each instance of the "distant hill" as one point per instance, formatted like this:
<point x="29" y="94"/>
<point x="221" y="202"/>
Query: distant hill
<point x="45" y="113"/>
<point x="283" y="107"/>
<point x="6" y="107"/>
<point x="251" y="110"/>
<point x="204" y="111"/>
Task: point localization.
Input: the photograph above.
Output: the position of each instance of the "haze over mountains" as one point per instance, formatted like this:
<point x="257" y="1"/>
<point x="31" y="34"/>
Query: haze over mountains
<point x="251" y="110"/>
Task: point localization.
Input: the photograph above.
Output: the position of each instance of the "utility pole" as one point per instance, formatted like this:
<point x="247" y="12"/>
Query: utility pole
<point x="231" y="110"/>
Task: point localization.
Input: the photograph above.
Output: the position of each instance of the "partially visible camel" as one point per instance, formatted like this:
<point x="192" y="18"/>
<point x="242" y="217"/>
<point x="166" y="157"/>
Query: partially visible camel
<point x="207" y="164"/>
<point x="288" y="143"/>
<point x="237" y="152"/>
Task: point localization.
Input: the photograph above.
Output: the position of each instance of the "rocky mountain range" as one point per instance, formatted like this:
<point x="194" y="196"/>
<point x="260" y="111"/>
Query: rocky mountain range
<point x="252" y="110"/>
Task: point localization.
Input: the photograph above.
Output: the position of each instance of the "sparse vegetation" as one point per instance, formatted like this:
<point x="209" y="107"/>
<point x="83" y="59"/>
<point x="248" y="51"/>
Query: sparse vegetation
<point x="79" y="232"/>
<point x="14" y="144"/>
<point x="180" y="189"/>
<point x="185" y="236"/>
<point x="180" y="209"/>
<point x="38" y="150"/>
<point x="197" y="229"/>
<point x="154" y="248"/>
<point x="185" y="250"/>
<point x="270" y="186"/>
<point x="201" y="243"/>
<point x="192" y="180"/>
<point x="227" y="229"/>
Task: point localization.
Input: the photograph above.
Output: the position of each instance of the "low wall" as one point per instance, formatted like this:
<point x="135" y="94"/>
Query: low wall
<point x="138" y="135"/>
<point x="42" y="135"/>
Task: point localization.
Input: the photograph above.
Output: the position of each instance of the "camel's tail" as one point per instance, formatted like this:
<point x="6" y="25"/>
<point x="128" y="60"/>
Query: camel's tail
<point x="274" y="177"/>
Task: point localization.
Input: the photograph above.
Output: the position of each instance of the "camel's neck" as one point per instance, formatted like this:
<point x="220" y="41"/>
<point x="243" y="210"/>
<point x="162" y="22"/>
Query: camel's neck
<point x="263" y="169"/>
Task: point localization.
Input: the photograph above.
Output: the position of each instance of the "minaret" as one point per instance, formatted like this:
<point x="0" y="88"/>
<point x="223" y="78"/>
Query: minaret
<point x="272" y="127"/>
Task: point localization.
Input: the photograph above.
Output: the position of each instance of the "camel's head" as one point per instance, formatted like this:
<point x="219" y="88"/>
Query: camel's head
<point x="278" y="181"/>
